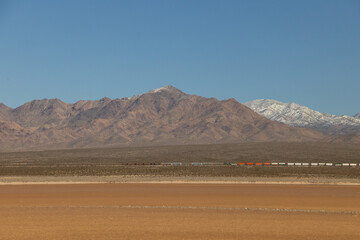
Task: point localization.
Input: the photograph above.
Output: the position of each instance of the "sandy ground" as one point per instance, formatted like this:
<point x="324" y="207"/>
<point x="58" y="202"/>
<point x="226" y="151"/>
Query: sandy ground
<point x="20" y="180"/>
<point x="179" y="211"/>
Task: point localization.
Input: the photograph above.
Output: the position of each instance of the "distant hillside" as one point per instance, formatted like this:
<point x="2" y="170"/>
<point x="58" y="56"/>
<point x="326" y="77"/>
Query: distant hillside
<point x="161" y="116"/>
<point x="297" y="115"/>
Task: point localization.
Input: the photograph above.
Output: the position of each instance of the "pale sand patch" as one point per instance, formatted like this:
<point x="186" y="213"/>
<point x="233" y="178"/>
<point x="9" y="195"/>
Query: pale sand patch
<point x="19" y="180"/>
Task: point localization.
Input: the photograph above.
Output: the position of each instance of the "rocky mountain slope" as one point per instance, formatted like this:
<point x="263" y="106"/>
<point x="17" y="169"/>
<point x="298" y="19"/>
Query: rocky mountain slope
<point x="357" y="115"/>
<point x="161" y="116"/>
<point x="297" y="115"/>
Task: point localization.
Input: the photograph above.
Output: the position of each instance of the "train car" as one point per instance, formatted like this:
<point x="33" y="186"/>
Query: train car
<point x="298" y="164"/>
<point x="353" y="164"/>
<point x="338" y="164"/>
<point x="305" y="164"/>
<point x="282" y="164"/>
<point x="322" y="164"/>
<point x="249" y="164"/>
<point x="215" y="163"/>
<point x="346" y="164"/>
<point x="274" y="164"/>
<point x="196" y="164"/>
<point x="314" y="164"/>
<point x="291" y="164"/>
<point x="258" y="164"/>
<point x="176" y="164"/>
<point x="241" y="163"/>
<point x="165" y="164"/>
<point x="329" y="164"/>
<point x="267" y="164"/>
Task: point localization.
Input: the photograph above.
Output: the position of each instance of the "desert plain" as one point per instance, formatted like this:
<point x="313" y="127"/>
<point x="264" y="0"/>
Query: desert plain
<point x="89" y="194"/>
<point x="179" y="211"/>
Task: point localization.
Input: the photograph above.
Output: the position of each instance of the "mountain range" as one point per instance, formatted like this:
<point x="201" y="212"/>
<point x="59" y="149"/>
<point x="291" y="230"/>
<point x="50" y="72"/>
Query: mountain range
<point x="297" y="115"/>
<point x="161" y="116"/>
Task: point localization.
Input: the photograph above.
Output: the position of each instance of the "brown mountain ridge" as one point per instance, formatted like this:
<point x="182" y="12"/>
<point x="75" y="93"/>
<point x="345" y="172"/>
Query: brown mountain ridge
<point x="161" y="116"/>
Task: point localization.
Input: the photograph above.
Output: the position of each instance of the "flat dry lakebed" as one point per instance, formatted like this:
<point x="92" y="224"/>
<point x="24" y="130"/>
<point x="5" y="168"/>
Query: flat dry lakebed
<point x="179" y="211"/>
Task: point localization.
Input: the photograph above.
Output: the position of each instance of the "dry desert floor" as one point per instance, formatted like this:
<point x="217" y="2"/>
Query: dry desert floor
<point x="179" y="211"/>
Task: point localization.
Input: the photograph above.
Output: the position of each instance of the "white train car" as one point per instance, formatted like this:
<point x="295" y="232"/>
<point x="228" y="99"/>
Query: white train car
<point x="196" y="164"/>
<point x="176" y="164"/>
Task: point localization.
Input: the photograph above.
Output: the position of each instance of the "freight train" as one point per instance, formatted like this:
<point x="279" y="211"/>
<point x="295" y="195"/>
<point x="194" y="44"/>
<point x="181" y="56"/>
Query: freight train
<point x="249" y="164"/>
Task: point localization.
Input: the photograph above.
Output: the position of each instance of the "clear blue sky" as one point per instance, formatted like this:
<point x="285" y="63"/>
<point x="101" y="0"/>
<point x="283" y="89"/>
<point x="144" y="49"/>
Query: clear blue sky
<point x="306" y="52"/>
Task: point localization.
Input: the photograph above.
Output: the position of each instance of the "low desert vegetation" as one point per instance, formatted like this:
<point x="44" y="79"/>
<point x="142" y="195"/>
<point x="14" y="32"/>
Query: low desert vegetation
<point x="111" y="161"/>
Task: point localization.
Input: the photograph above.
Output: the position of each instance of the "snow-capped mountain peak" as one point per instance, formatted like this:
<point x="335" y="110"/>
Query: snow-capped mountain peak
<point x="301" y="116"/>
<point x="165" y="88"/>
